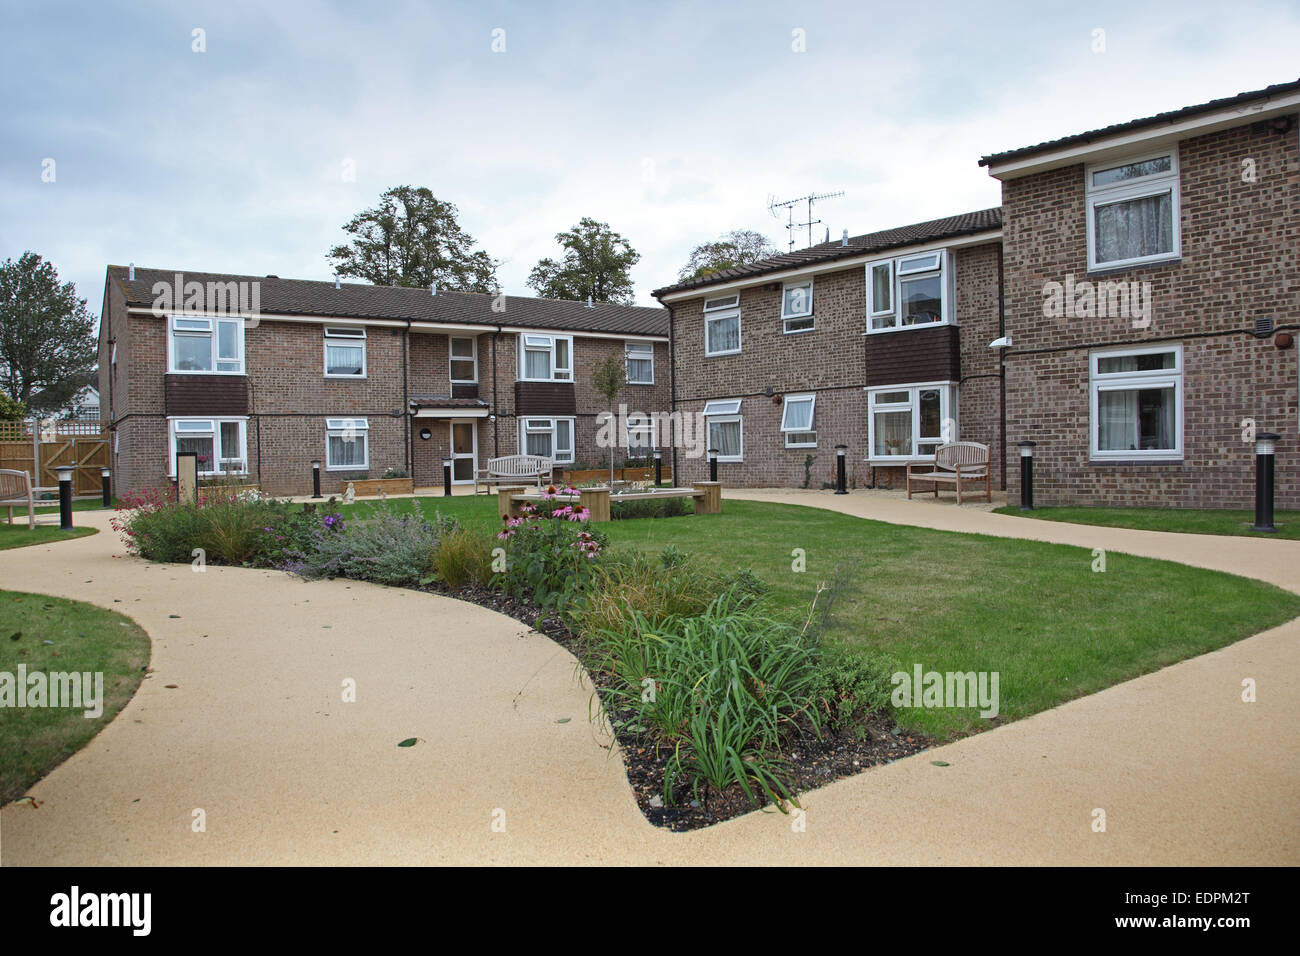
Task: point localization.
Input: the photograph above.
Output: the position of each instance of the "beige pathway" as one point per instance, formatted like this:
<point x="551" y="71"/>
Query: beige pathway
<point x="255" y="734"/>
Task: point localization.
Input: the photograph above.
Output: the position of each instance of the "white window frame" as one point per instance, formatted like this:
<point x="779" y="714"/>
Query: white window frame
<point x="722" y="303"/>
<point x="212" y="429"/>
<point x="947" y="412"/>
<point x="903" y="269"/>
<point x="339" y="427"/>
<point x="790" y="434"/>
<point x="539" y="425"/>
<point x="724" y="410"/>
<point x="645" y="351"/>
<point x="722" y="317"/>
<point x="453" y="358"/>
<point x="354" y="336"/>
<point x="788" y="317"/>
<point x="1125" y="191"/>
<point x="640" y="423"/>
<point x="536" y="341"/>
<point x="211" y="329"/>
<point x="1099" y="382"/>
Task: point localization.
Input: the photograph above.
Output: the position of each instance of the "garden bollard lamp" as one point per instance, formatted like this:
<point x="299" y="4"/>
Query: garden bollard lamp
<point x="1027" y="475"/>
<point x="1265" y="453"/>
<point x="65" y="496"/>
<point x="713" y="464"/>
<point x="315" y="477"/>
<point x="446" y="477"/>
<point x="106" y="486"/>
<point x="840" y="479"/>
<point x="659" y="468"/>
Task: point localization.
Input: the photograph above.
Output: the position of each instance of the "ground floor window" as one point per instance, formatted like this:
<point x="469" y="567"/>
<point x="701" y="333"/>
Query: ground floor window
<point x="1137" y="403"/>
<point x="219" y="444"/>
<point x="911" y="421"/>
<point x="797" y="421"/>
<point x="640" y="436"/>
<point x="548" y="438"/>
<point x="726" y="429"/>
<point x="347" y="444"/>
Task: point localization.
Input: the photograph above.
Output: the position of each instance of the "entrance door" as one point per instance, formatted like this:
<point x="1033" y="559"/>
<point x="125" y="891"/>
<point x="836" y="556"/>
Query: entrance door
<point x="464" y="452"/>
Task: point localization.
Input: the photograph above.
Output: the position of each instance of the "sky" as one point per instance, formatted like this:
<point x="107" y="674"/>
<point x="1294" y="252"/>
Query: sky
<point x="671" y="121"/>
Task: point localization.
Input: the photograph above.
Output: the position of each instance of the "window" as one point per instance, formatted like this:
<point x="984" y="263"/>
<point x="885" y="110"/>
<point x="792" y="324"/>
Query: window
<point x="1137" y="404"/>
<point x="909" y="291"/>
<point x="731" y="301"/>
<point x="219" y="444"/>
<point x="547" y="358"/>
<point x="639" y="358"/>
<point x="464" y="361"/>
<point x="548" y="437"/>
<point x="206" y="345"/>
<point x="797" y="421"/>
<point x="640" y="436"/>
<point x="345" y="352"/>
<point x="722" y="334"/>
<point x="725" y="429"/>
<point x="797" y="306"/>
<point x="1133" y="212"/>
<point x="347" y="444"/>
<point x="910" y="420"/>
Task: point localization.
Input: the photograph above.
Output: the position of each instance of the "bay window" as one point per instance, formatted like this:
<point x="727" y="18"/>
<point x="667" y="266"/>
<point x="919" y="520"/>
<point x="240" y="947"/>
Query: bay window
<point x="347" y="444"/>
<point x="797" y="306"/>
<point x="909" y="291"/>
<point x="725" y="426"/>
<point x="639" y="360"/>
<point x="464" y="361"/>
<point x="797" y="421"/>
<point x="197" y="344"/>
<point x="1133" y="211"/>
<point x="345" y="352"/>
<point x="219" y="444"/>
<point x="1137" y="404"/>
<point x="910" y="421"/>
<point x="546" y="358"/>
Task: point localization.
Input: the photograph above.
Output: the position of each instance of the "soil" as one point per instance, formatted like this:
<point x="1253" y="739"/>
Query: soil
<point x="811" y="762"/>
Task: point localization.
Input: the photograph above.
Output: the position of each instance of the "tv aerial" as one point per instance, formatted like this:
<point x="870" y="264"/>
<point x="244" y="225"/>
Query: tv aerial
<point x="788" y="206"/>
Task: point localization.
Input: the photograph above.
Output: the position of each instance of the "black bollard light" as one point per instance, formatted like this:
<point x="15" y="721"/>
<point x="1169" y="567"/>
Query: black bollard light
<point x="713" y="464"/>
<point x="1265" y="453"/>
<point x="315" y="477"/>
<point x="1027" y="475"/>
<point x="659" y="468"/>
<point x="446" y="477"/>
<point x="106" y="486"/>
<point x="65" y="496"/>
<point x="841" y="481"/>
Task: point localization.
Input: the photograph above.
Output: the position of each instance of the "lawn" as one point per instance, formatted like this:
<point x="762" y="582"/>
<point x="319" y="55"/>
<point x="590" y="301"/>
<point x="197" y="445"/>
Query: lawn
<point x="18" y="535"/>
<point x="1036" y="613"/>
<point x="50" y="634"/>
<point x="1183" y="520"/>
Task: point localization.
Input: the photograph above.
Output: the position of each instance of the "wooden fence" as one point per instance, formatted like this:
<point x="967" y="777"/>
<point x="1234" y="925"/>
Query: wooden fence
<point x="39" y="447"/>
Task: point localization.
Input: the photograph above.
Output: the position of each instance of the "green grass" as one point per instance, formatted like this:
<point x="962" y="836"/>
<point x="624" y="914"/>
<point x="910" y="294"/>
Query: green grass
<point x="1034" y="612"/>
<point x="35" y="740"/>
<point x="45" y="507"/>
<point x="18" y="535"/>
<point x="1182" y="520"/>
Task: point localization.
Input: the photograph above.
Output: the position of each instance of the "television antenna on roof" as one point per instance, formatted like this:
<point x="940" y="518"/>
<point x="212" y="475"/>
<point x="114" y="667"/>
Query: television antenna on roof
<point x="788" y="206"/>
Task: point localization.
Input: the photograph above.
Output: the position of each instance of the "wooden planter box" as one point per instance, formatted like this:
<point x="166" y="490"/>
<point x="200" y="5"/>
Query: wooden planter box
<point x="371" y="487"/>
<point x="620" y="474"/>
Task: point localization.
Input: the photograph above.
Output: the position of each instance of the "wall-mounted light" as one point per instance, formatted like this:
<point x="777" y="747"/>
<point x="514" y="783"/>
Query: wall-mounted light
<point x="425" y="434"/>
<point x="1001" y="343"/>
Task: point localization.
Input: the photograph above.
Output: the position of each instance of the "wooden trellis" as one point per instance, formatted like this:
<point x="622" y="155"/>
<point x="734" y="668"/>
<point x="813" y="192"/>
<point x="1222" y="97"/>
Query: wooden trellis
<point x="38" y="447"/>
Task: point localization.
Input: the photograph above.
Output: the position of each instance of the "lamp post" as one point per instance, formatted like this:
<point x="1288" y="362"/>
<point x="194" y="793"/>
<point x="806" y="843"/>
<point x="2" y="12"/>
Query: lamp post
<point x="65" y="496"/>
<point x="713" y="464"/>
<point x="840" y="481"/>
<point x="446" y="477"/>
<point x="1265" y="453"/>
<point x="106" y="486"/>
<point x="315" y="477"/>
<point x="1027" y="475"/>
<point x="659" y="468"/>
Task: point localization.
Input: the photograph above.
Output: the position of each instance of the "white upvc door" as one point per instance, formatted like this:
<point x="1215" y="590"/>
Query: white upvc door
<point x="464" y="451"/>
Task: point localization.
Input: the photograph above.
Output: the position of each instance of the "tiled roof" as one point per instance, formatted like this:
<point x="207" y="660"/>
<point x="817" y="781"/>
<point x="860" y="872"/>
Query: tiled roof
<point x="307" y="298"/>
<point x="932" y="231"/>
<point x="1170" y="117"/>
<point x="443" y="401"/>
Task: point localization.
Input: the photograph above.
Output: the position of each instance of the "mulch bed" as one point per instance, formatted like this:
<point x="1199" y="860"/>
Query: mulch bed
<point x="812" y="762"/>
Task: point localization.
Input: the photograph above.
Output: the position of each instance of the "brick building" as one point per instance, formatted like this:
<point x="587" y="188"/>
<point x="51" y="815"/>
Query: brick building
<point x="262" y="375"/>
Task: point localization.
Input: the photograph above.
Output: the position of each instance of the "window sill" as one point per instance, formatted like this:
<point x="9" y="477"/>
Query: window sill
<point x="191" y="372"/>
<point x="542" y="381"/>
<point x="910" y="328"/>
<point x="356" y="378"/>
<point x="349" y="469"/>
<point x="1107" y="269"/>
<point x="1136" y="461"/>
<point x="640" y="383"/>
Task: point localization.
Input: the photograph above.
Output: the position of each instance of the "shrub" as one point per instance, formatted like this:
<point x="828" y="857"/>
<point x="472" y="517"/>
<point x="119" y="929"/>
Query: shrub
<point x="851" y="685"/>
<point x="549" y="557"/>
<point x="463" y="557"/>
<point x="396" y="472"/>
<point x="393" y="546"/>
<point x="663" y="507"/>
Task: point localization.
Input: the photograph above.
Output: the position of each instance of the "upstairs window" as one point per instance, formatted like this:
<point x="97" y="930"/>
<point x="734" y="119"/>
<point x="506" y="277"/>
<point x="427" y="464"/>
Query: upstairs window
<point x="797" y="306"/>
<point x="797" y="421"/>
<point x="347" y="444"/>
<point x="1133" y="212"/>
<point x="547" y="358"/>
<point x="909" y="291"/>
<point x="203" y="345"/>
<point x="345" y="352"/>
<point x="721" y="334"/>
<point x="639" y="359"/>
<point x="464" y="361"/>
<point x="721" y="302"/>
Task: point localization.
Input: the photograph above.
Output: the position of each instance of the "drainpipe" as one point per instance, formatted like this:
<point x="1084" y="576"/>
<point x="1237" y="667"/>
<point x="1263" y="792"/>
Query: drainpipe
<point x="406" y="399"/>
<point x="496" y="419"/>
<point x="672" y="382"/>
<point x="1002" y="371"/>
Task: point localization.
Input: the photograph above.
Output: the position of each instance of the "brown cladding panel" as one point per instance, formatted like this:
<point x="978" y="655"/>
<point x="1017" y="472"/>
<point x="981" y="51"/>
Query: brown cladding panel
<point x="464" y="391"/>
<point x="205" y="394"/>
<point x="545" y="398"/>
<point x="915" y="355"/>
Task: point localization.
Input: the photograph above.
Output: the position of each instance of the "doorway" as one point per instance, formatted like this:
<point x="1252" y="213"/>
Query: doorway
<point x="464" y="452"/>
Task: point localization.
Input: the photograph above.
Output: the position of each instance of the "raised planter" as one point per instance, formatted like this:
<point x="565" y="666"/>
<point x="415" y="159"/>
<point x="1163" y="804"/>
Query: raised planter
<point x="371" y="487"/>
<point x="620" y="474"/>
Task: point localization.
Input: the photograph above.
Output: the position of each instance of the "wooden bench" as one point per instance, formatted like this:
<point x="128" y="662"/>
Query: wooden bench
<point x="955" y="463"/>
<point x="16" y="490"/>
<point x="513" y="468"/>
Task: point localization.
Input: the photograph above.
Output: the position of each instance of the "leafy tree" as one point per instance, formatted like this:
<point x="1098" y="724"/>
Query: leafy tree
<point x="596" y="263"/>
<point x="11" y="411"/>
<point x="738" y="247"/>
<point x="413" y="239"/>
<point x="47" y="337"/>
<point x="608" y="378"/>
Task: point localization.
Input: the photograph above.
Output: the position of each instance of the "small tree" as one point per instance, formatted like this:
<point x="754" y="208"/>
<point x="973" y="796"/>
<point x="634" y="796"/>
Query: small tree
<point x="11" y="411"/>
<point x="608" y="378"/>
